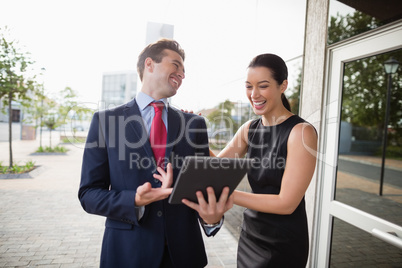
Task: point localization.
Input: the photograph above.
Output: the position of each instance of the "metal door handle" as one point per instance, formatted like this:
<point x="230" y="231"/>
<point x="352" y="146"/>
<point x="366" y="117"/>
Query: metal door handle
<point x="387" y="237"/>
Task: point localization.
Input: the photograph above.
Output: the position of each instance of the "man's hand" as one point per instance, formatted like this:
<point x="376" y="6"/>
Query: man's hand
<point x="146" y="194"/>
<point x="189" y="112"/>
<point x="165" y="177"/>
<point x="212" y="211"/>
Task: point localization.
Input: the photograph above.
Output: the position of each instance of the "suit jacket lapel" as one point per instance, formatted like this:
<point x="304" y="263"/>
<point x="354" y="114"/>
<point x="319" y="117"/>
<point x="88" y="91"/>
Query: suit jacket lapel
<point x="175" y="123"/>
<point x="137" y="126"/>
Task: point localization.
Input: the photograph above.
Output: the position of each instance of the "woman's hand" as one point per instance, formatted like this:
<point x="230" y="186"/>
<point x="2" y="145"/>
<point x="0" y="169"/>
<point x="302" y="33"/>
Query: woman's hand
<point x="211" y="212"/>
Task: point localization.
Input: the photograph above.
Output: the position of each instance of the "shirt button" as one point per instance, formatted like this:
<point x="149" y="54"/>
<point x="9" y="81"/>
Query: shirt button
<point x="159" y="213"/>
<point x="156" y="180"/>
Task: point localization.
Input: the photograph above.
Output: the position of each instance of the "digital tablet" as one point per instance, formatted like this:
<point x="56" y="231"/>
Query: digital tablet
<point x="198" y="172"/>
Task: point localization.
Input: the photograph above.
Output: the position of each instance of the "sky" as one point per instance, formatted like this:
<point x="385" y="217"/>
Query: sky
<point x="76" y="41"/>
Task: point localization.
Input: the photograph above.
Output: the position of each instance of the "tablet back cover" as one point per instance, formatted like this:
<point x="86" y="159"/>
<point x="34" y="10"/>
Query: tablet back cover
<point x="197" y="173"/>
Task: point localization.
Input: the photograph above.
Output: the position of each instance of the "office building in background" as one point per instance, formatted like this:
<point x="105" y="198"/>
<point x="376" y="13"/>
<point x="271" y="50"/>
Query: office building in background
<point x="118" y="87"/>
<point x="155" y="31"/>
<point x="121" y="86"/>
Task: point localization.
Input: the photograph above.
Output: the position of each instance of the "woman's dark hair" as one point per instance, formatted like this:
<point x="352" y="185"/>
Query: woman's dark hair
<point x="278" y="68"/>
<point x="156" y="52"/>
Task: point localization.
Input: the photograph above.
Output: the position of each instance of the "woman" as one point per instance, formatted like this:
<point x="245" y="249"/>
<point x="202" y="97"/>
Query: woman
<point x="274" y="230"/>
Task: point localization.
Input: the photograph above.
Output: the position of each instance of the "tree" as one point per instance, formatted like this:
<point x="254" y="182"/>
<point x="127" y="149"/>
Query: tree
<point x="55" y="113"/>
<point x="221" y="121"/>
<point x="294" y="97"/>
<point x="365" y="83"/>
<point x="343" y="27"/>
<point x="14" y="80"/>
<point x="51" y="118"/>
<point x="70" y="108"/>
<point x="36" y="109"/>
<point x="365" y="92"/>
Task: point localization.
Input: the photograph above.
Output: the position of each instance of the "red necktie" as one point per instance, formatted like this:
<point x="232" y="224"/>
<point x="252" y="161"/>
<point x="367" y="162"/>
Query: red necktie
<point x="158" y="134"/>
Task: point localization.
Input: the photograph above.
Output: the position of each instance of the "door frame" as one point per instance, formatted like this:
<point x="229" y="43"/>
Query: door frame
<point x="375" y="42"/>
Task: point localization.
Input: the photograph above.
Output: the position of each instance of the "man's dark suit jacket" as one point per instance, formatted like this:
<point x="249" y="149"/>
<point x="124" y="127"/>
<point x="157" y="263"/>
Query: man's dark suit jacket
<point x="117" y="159"/>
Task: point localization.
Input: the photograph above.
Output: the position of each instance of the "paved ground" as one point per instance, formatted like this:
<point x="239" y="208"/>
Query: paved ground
<point x="352" y="247"/>
<point x="43" y="225"/>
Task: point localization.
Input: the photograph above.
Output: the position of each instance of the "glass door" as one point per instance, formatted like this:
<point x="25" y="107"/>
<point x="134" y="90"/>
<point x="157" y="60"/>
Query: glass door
<point x="360" y="213"/>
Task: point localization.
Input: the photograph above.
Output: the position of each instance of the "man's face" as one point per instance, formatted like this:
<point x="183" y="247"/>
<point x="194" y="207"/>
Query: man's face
<point x="168" y="74"/>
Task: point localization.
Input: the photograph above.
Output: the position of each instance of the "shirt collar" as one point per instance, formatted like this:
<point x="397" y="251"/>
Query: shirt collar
<point x="143" y="100"/>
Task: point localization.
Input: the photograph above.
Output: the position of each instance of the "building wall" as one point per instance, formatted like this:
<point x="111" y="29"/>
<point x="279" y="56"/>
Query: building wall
<point x="312" y="91"/>
<point x="155" y="31"/>
<point x="16" y="110"/>
<point x="118" y="87"/>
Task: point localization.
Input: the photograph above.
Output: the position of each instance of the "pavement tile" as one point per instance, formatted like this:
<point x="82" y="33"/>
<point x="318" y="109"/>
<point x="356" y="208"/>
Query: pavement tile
<point x="42" y="223"/>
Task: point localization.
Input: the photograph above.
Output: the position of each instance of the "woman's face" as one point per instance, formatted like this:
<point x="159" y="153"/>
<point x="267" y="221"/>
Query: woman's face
<point x="263" y="91"/>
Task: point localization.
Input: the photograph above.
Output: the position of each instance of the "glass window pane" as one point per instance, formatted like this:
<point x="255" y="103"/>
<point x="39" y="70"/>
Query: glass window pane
<point x="352" y="247"/>
<point x="364" y="95"/>
<point x="348" y="18"/>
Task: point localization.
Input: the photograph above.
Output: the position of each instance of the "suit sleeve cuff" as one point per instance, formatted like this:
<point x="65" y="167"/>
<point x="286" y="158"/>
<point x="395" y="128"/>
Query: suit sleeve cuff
<point x="139" y="211"/>
<point x="211" y="230"/>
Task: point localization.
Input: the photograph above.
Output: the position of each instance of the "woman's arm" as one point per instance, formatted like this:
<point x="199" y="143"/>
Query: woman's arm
<point x="211" y="210"/>
<point x="300" y="166"/>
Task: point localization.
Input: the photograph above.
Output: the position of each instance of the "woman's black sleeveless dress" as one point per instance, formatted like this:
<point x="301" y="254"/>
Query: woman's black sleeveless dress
<point x="272" y="240"/>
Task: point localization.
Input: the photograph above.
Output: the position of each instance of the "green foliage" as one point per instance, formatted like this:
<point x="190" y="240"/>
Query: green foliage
<point x="3" y="169"/>
<point x="17" y="169"/>
<point x="35" y="108"/>
<point x="223" y="113"/>
<point x="343" y="27"/>
<point x="73" y="139"/>
<point x="15" y="82"/>
<point x="222" y="123"/>
<point x="48" y="149"/>
<point x="365" y="85"/>
<point x="58" y="112"/>
<point x="365" y="92"/>
<point x="50" y="122"/>
<point x="394" y="152"/>
<point x="16" y="85"/>
<point x="294" y="98"/>
<point x="69" y="107"/>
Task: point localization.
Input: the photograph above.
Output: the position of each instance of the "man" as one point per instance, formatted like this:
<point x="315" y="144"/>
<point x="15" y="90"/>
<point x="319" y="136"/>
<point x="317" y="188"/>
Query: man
<point x="125" y="148"/>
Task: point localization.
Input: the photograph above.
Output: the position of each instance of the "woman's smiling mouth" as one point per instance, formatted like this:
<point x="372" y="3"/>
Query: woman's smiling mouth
<point x="259" y="104"/>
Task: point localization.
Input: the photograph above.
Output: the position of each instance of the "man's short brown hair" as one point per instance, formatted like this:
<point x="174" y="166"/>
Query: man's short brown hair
<point x="155" y="51"/>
